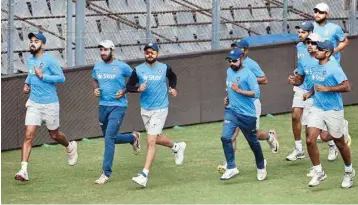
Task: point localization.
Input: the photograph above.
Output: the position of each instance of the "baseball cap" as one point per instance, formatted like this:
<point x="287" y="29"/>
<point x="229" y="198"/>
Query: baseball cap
<point x="306" y="26"/>
<point x="107" y="44"/>
<point x="240" y="43"/>
<point x="39" y="36"/>
<point x="326" y="45"/>
<point x="315" y="37"/>
<point x="235" y="54"/>
<point x="152" y="45"/>
<point x="322" y="7"/>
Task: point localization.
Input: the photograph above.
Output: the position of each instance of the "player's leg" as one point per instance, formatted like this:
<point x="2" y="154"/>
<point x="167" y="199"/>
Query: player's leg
<point x="314" y="128"/>
<point x="335" y="124"/>
<point x="178" y="148"/>
<point x="229" y="127"/>
<point x="332" y="148"/>
<point x="298" y="104"/>
<point x="32" y="120"/>
<point x="222" y="167"/>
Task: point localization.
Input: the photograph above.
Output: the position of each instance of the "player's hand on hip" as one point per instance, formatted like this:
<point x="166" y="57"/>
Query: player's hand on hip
<point x="38" y="72"/>
<point x="173" y="92"/>
<point x="291" y="79"/>
<point x="26" y="89"/>
<point x="120" y="93"/>
<point x="235" y="87"/>
<point x="97" y="92"/>
<point x="142" y="87"/>
<point x="321" y="88"/>
<point x="226" y="101"/>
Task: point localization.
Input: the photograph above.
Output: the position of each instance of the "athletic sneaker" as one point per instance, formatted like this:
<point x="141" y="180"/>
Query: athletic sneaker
<point x="22" y="175"/>
<point x="348" y="179"/>
<point x="136" y="143"/>
<point x="141" y="179"/>
<point x="102" y="179"/>
<point x="332" y="153"/>
<point x="274" y="144"/>
<point x="222" y="167"/>
<point x="179" y="155"/>
<point x="262" y="173"/>
<point x="317" y="178"/>
<point x="72" y="155"/>
<point x="229" y="173"/>
<point x="296" y="154"/>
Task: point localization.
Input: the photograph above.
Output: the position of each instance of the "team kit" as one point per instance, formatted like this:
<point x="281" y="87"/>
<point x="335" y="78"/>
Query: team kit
<point x="318" y="82"/>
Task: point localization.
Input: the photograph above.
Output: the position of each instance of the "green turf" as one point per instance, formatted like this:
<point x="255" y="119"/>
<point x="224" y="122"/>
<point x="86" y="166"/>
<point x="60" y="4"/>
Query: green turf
<point x="196" y="181"/>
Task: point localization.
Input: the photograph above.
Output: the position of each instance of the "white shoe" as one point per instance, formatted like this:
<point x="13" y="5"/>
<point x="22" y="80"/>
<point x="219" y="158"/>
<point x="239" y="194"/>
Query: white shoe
<point x="348" y="179"/>
<point x="332" y="153"/>
<point x="296" y="154"/>
<point x="229" y="173"/>
<point x="274" y="144"/>
<point x="310" y="172"/>
<point x="179" y="155"/>
<point x="141" y="180"/>
<point x="102" y="179"/>
<point x="72" y="155"/>
<point x="136" y="144"/>
<point x="22" y="175"/>
<point x="262" y="173"/>
<point x="317" y="178"/>
<point x="222" y="168"/>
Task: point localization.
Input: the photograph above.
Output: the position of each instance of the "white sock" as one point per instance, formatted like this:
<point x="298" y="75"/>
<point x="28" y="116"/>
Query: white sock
<point x="331" y="143"/>
<point x="298" y="144"/>
<point x="146" y="172"/>
<point x="24" y="165"/>
<point x="175" y="147"/>
<point x="271" y="137"/>
<point x="348" y="168"/>
<point x="318" y="168"/>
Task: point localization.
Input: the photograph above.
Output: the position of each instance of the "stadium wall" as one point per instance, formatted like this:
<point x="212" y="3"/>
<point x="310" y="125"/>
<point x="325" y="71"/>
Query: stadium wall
<point x="201" y="88"/>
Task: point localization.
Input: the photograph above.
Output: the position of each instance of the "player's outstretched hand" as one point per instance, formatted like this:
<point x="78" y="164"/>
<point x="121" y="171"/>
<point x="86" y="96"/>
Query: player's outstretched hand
<point x="291" y="79"/>
<point x="173" y="92"/>
<point x="142" y="87"/>
<point x="120" y="93"/>
<point x="26" y="89"/>
<point x="97" y="92"/>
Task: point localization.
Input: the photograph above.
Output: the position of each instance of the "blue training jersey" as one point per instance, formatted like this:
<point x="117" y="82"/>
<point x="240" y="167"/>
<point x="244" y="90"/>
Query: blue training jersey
<point x="246" y="80"/>
<point x="329" y="74"/>
<point x="155" y="96"/>
<point x="254" y="67"/>
<point x="331" y="32"/>
<point x="111" y="79"/>
<point x="302" y="56"/>
<point x="43" y="90"/>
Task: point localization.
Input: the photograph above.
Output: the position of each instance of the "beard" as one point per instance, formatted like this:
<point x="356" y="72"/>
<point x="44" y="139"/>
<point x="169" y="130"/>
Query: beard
<point x="320" y="20"/>
<point x="151" y="61"/>
<point x="107" y="58"/>
<point x="34" y="50"/>
<point x="234" y="67"/>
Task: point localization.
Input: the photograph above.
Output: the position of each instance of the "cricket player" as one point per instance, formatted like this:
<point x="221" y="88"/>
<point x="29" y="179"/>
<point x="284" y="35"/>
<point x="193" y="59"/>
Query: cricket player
<point x="242" y="90"/>
<point x="149" y="79"/>
<point x="42" y="105"/>
<point x="109" y="84"/>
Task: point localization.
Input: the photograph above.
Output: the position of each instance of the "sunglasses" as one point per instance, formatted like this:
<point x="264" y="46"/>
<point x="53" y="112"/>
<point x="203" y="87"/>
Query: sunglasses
<point x="322" y="49"/>
<point x="312" y="43"/>
<point x="320" y="12"/>
<point x="150" y="52"/>
<point x="232" y="61"/>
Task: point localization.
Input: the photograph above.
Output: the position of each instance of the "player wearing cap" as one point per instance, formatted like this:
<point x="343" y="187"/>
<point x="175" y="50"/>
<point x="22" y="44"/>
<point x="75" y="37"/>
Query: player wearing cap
<point x="304" y="68"/>
<point x="109" y="84"/>
<point x="329" y="82"/>
<point x="270" y="136"/>
<point x="149" y="79"/>
<point x="329" y="31"/>
<point x="42" y="105"/>
<point x="242" y="88"/>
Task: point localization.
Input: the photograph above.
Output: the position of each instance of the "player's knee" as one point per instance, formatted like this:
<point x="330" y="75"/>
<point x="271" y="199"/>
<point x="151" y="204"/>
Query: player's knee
<point x="29" y="136"/>
<point x="226" y="138"/>
<point x="296" y="117"/>
<point x="310" y="141"/>
<point x="53" y="134"/>
<point x="151" y="142"/>
<point x="340" y="144"/>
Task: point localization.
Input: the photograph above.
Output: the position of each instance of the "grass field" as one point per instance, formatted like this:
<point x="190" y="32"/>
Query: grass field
<point x="196" y="181"/>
